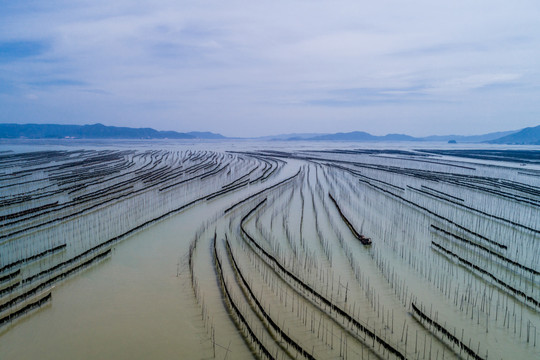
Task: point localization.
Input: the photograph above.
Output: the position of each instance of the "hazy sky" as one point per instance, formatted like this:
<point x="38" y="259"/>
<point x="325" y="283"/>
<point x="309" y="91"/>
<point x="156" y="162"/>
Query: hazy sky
<point x="249" y="68"/>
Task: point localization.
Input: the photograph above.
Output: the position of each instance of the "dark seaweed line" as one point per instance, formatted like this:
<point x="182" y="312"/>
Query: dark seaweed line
<point x="61" y="265"/>
<point x="431" y="175"/>
<point x="381" y="181"/>
<point x="455" y="179"/>
<point x="34" y="257"/>
<point x="162" y="174"/>
<point x="334" y="307"/>
<point x="110" y="200"/>
<point x="24" y="310"/>
<point x="24" y="198"/>
<point x="262" y="191"/>
<point x="445" y="332"/>
<point x="427" y="161"/>
<point x="205" y="164"/>
<point x="10" y="177"/>
<point x="495" y="155"/>
<point x="502" y="246"/>
<point x="442" y="193"/>
<point x="85" y="174"/>
<point x="20" y="183"/>
<point x="234" y="307"/>
<point x="27" y="211"/>
<point x="151" y="221"/>
<point x="272" y="323"/>
<point x="227" y="190"/>
<point x="503" y="194"/>
<point x="71" y="215"/>
<point x="276" y="168"/>
<point x="184" y="181"/>
<point x="267" y="172"/>
<point x="166" y="171"/>
<point x="139" y="227"/>
<point x="357" y="173"/>
<point x="41" y="286"/>
<point x="107" y="179"/>
<point x="267" y="154"/>
<point x="487" y="273"/>
<point x="9" y="289"/>
<point x="33" y="158"/>
<point x="111" y="189"/>
<point x="476" y="210"/>
<point x="212" y="173"/>
<point x="144" y="177"/>
<point x="135" y="176"/>
<point x="85" y="209"/>
<point x="83" y="179"/>
<point x="92" y="161"/>
<point x="10" y="276"/>
<point x="361" y="238"/>
<point x="117" y="238"/>
<point x="241" y="179"/>
<point x="519" y="186"/>
<point x="436" y="196"/>
<point x="267" y="167"/>
<point x="110" y="241"/>
<point x="147" y="169"/>
<point x="529" y="189"/>
<point x="496" y="185"/>
<point x="416" y="173"/>
<point x="527" y="173"/>
<point x="487" y="250"/>
<point x="244" y="182"/>
<point x="310" y="290"/>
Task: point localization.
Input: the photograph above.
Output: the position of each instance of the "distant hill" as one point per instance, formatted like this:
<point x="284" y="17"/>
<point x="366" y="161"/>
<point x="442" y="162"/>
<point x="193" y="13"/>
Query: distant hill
<point x="96" y="131"/>
<point x="293" y="136"/>
<point x="527" y="136"/>
<point x="206" y="135"/>
<point x="471" y="138"/>
<point x="350" y="136"/>
<point x="363" y="136"/>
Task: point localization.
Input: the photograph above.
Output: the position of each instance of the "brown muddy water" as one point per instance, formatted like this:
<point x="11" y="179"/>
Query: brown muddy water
<point x="131" y="306"/>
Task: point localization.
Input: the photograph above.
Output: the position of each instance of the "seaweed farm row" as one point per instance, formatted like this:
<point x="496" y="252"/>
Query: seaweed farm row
<point x="61" y="210"/>
<point x="326" y="254"/>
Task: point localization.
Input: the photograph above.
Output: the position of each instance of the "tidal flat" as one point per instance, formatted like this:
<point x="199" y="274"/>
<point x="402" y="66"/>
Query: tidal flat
<point x="269" y="250"/>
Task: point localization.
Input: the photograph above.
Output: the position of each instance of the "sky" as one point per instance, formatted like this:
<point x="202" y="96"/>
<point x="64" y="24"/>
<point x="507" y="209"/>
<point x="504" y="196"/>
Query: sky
<point x="254" y="68"/>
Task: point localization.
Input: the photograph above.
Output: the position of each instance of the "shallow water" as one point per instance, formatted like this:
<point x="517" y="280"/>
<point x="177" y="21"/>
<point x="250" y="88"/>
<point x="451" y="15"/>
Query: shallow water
<point x="139" y="302"/>
<point x="131" y="306"/>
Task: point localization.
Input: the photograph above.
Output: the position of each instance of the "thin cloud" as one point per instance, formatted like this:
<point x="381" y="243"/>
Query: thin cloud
<point x="57" y="83"/>
<point x="281" y="65"/>
<point x="11" y="51"/>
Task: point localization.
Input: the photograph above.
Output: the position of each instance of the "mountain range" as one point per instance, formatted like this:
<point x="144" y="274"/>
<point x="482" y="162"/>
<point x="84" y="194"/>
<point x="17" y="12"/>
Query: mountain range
<point x="363" y="136"/>
<point x="527" y="136"/>
<point x="96" y="131"/>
